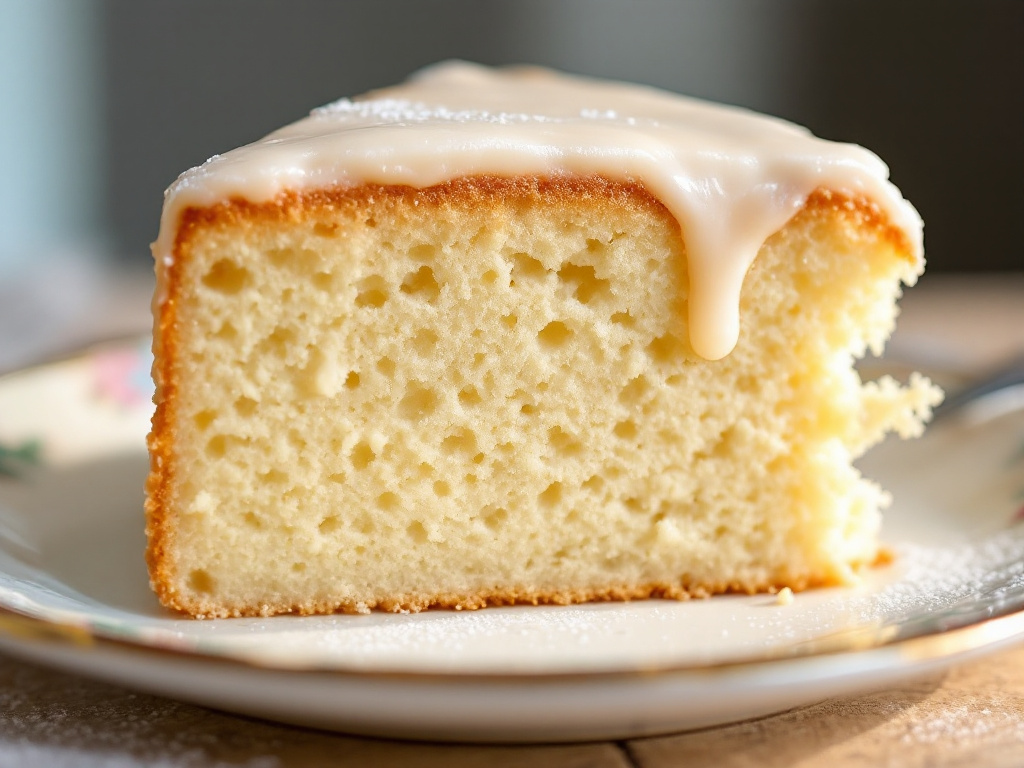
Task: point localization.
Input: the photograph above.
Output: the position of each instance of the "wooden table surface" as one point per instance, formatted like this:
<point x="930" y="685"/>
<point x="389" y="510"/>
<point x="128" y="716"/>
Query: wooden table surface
<point x="972" y="715"/>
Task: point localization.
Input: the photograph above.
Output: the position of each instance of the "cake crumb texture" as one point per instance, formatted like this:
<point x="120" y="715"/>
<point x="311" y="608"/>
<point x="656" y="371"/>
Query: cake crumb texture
<point x="483" y="393"/>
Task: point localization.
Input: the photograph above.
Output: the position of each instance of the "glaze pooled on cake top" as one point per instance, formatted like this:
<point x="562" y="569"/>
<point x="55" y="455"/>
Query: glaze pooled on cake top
<point x="730" y="177"/>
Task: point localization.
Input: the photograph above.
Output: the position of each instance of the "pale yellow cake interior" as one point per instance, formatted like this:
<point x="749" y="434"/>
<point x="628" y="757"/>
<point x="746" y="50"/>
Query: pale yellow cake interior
<point x="486" y="397"/>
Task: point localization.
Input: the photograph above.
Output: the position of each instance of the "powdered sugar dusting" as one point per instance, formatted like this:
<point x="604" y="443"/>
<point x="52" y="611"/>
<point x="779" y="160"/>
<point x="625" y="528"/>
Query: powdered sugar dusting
<point x="959" y="559"/>
<point x="967" y="722"/>
<point x="730" y="177"/>
<point x="929" y="589"/>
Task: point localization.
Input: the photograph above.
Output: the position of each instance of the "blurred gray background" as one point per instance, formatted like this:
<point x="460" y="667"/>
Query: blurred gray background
<point x="106" y="101"/>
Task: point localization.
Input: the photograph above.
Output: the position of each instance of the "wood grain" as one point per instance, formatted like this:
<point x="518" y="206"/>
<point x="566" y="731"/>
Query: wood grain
<point x="49" y="718"/>
<point x="972" y="716"/>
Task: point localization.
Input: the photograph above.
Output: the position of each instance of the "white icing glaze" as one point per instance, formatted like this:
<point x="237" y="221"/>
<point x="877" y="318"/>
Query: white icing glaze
<point x="730" y="177"/>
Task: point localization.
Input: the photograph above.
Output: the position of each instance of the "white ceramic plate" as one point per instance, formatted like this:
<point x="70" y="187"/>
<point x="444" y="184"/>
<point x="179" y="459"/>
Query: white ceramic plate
<point x="74" y="594"/>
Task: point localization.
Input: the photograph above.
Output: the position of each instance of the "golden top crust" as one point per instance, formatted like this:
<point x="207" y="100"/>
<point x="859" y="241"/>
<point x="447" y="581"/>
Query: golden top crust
<point x="363" y="203"/>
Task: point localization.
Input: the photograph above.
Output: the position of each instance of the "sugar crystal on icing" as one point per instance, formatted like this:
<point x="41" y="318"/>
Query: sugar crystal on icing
<point x="730" y="177"/>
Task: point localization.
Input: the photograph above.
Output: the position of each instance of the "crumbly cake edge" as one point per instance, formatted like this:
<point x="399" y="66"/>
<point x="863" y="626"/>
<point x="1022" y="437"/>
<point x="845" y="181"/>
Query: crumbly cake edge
<point x="462" y="191"/>
<point x="502" y="597"/>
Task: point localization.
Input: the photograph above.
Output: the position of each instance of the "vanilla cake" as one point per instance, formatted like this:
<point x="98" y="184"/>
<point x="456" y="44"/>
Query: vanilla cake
<point x="497" y="337"/>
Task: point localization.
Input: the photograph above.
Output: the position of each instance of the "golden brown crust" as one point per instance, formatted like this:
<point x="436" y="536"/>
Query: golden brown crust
<point x="502" y="597"/>
<point x="160" y="439"/>
<point x="361" y="203"/>
<point x="861" y="212"/>
<point x="357" y="202"/>
<point x="885" y="556"/>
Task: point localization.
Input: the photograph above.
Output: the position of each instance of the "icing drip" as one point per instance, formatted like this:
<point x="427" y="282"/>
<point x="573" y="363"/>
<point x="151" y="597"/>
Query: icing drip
<point x="730" y="177"/>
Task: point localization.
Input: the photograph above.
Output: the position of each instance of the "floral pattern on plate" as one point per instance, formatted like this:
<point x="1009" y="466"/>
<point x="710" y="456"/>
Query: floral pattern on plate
<point x="14" y="459"/>
<point x="122" y="375"/>
<point x="74" y="591"/>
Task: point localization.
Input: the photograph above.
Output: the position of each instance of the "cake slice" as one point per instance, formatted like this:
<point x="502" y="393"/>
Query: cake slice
<point x="498" y="337"/>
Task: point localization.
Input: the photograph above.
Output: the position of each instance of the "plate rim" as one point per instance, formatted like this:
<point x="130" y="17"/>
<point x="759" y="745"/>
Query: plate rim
<point x="976" y="637"/>
<point x="998" y="629"/>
